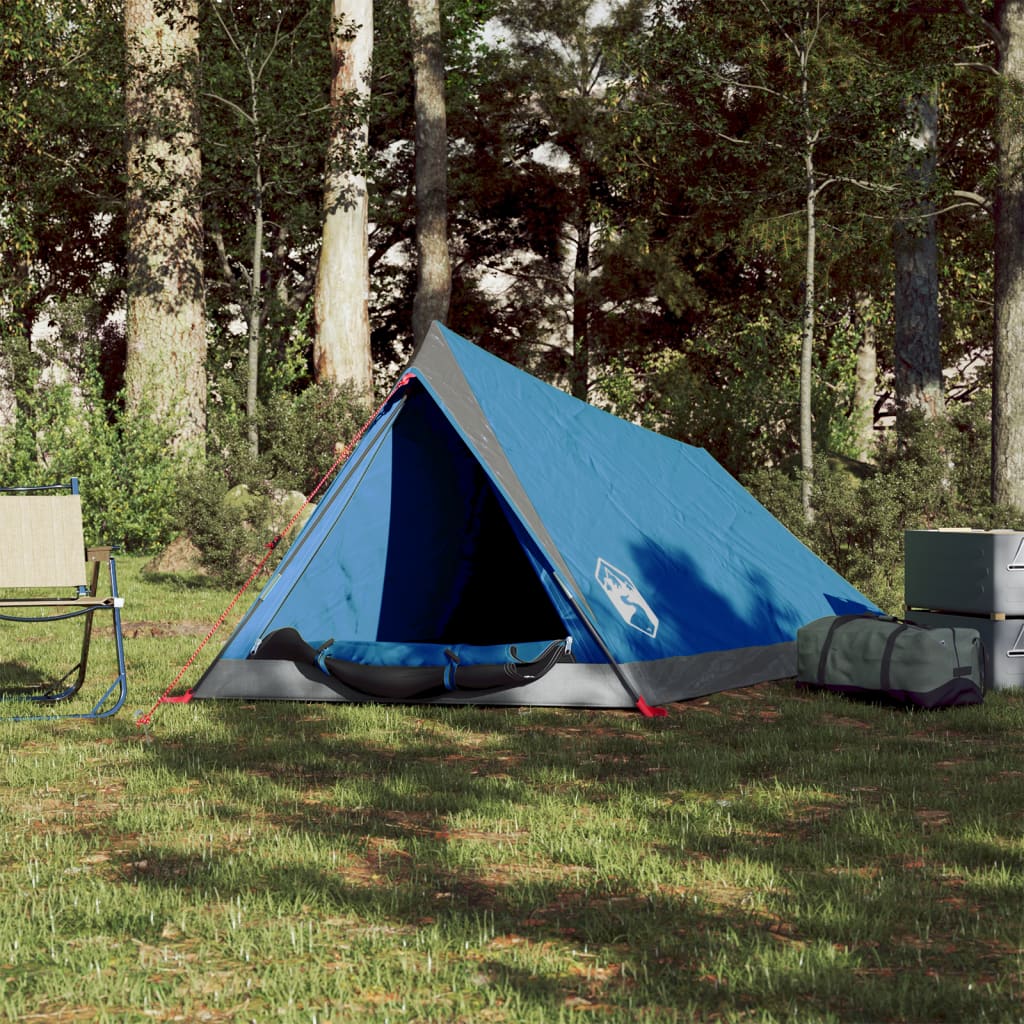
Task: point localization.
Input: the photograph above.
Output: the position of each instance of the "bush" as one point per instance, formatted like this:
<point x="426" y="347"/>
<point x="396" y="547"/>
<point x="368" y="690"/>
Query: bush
<point x="138" y="494"/>
<point x="129" y="478"/>
<point x="934" y="475"/>
<point x="228" y="506"/>
<point x="298" y="434"/>
<point x="230" y="526"/>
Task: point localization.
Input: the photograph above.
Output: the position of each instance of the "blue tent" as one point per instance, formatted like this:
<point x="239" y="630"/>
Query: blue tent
<point x="493" y="540"/>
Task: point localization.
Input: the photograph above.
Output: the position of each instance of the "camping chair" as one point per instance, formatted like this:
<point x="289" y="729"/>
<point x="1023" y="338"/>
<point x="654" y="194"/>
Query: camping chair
<point x="41" y="554"/>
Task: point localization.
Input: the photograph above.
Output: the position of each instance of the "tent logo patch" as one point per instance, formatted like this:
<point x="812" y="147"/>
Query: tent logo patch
<point x="626" y="599"/>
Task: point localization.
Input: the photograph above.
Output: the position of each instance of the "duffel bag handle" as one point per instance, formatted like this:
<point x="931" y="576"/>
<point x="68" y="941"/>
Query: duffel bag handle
<point x="840" y="620"/>
<point x="885" y="673"/>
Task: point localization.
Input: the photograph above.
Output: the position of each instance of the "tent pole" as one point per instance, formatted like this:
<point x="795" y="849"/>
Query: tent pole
<point x="641" y="705"/>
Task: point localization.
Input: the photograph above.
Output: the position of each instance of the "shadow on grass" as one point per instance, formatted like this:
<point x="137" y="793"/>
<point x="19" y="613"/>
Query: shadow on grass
<point x="20" y="683"/>
<point x="17" y="675"/>
<point x="718" y="858"/>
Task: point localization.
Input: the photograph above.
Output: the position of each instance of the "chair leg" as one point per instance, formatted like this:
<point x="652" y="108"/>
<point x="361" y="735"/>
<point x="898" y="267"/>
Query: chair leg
<point x="117" y="693"/>
<point x="120" y="685"/>
<point x="84" y="660"/>
<point x="87" y="630"/>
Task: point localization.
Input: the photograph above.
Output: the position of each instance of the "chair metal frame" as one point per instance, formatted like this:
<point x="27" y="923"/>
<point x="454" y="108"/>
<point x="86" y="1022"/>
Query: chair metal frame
<point x="49" y="517"/>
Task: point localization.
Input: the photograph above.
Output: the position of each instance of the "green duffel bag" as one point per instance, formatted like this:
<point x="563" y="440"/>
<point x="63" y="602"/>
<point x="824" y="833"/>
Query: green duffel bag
<point x="898" y="661"/>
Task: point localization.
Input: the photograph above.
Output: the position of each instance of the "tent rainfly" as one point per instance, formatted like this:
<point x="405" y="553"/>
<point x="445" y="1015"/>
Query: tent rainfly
<point x="493" y="540"/>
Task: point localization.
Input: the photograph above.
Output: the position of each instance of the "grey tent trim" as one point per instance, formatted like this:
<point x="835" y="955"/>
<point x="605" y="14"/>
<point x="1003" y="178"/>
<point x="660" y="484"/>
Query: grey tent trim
<point x="596" y="685"/>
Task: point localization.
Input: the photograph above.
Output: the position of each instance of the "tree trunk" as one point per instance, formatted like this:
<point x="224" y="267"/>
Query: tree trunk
<point x="1008" y="349"/>
<point x="165" y="368"/>
<point x="579" y="365"/>
<point x="341" y="351"/>
<point x="807" y="344"/>
<point x="865" y="386"/>
<point x="255" y="316"/>
<point x="434" y="279"/>
<point x="917" y="356"/>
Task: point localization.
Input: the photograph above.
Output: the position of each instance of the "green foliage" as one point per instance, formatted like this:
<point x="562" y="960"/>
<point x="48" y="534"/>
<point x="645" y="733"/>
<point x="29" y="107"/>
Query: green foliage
<point x="298" y="435"/>
<point x="230" y="506"/>
<point x="129" y="478"/>
<point x="935" y="475"/>
<point x="303" y="433"/>
<point x="136" y="492"/>
<point x="718" y="400"/>
<point x="265" y="75"/>
<point x="672" y="129"/>
<point x="536" y="203"/>
<point x="732" y="389"/>
<point x="61" y="155"/>
<point x="231" y="526"/>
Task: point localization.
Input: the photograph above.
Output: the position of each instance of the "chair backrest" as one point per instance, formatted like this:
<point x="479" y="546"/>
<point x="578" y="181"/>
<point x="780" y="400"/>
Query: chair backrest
<point x="41" y="541"/>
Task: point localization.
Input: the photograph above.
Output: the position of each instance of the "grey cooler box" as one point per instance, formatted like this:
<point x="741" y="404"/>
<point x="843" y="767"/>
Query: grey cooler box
<point x="973" y="572"/>
<point x="1003" y="640"/>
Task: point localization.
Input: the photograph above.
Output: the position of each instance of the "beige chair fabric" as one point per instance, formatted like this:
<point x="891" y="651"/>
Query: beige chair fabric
<point x="41" y="541"/>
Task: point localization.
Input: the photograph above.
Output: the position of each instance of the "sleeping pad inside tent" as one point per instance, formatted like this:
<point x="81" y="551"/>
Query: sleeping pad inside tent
<point x="493" y="540"/>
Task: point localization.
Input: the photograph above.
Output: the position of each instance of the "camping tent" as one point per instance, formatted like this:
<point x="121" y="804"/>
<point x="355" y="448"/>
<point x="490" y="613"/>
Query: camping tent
<point x="494" y="540"/>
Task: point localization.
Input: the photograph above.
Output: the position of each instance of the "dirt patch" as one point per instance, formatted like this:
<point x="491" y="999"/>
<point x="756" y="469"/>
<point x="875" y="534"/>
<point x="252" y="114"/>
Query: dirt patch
<point x="134" y="630"/>
<point x="180" y="557"/>
<point x="933" y="819"/>
<point x="845" y="721"/>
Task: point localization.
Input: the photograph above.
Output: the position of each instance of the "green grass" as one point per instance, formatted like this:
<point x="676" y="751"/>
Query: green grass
<point x="761" y="855"/>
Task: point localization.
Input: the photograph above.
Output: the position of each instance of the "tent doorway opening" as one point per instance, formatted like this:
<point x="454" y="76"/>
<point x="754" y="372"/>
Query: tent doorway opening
<point x="456" y="569"/>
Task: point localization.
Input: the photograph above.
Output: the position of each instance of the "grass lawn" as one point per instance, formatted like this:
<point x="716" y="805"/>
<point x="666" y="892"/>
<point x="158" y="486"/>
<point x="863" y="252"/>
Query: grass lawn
<point x="760" y="855"/>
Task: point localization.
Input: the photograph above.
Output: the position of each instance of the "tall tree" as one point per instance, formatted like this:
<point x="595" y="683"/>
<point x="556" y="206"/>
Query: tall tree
<point x="341" y="351"/>
<point x="264" y="118"/>
<point x="434" y="273"/>
<point x="811" y="89"/>
<point x="61" y="170"/>
<point x="481" y="104"/>
<point x="1008" y="352"/>
<point x="866" y="382"/>
<point x="564" y="53"/>
<point x="165" y="368"/>
<point x="921" y="43"/>
<point x="803" y="38"/>
<point x="917" y="355"/>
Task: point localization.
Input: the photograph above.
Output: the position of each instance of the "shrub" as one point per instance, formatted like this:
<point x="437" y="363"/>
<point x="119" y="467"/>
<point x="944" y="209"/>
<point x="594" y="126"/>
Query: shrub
<point x="935" y="474"/>
<point x="230" y="525"/>
<point x="229" y="505"/>
<point x="129" y="477"/>
<point x="298" y="434"/>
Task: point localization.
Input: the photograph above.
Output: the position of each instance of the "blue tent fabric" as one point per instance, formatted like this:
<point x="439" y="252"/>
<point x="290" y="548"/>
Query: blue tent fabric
<point x="484" y="506"/>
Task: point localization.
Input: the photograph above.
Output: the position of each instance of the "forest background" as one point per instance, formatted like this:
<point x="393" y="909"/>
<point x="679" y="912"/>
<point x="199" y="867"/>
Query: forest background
<point x="788" y="231"/>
